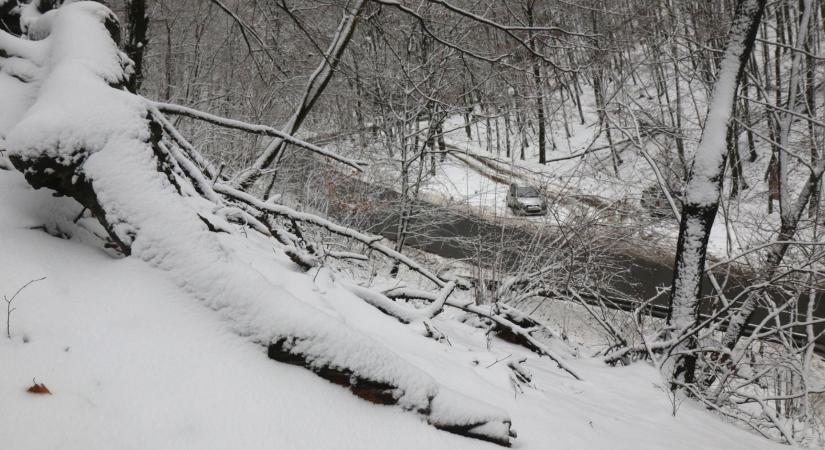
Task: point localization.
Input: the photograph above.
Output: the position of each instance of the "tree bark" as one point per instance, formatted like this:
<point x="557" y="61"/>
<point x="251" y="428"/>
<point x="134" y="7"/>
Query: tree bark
<point x="137" y="27"/>
<point x="537" y="82"/>
<point x="9" y="22"/>
<point x="704" y="186"/>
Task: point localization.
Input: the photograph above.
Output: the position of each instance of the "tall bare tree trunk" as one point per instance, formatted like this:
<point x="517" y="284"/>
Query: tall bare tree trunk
<point x="136" y="39"/>
<point x="537" y="81"/>
<point x="704" y="186"/>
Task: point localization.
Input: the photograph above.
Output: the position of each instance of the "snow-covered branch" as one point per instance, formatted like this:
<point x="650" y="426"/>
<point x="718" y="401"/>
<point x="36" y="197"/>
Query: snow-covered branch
<point x="395" y="309"/>
<point x="372" y="242"/>
<point x="704" y="182"/>
<point x="256" y="129"/>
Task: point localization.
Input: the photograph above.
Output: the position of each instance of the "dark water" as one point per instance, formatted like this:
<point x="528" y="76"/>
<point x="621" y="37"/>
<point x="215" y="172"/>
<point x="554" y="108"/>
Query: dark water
<point x="454" y="232"/>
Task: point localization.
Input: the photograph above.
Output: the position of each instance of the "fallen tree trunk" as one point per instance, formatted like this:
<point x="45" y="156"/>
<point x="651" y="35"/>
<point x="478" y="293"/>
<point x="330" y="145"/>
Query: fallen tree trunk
<point x="108" y="156"/>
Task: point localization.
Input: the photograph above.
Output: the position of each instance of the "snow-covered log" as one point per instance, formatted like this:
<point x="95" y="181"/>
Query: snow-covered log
<point x="83" y="136"/>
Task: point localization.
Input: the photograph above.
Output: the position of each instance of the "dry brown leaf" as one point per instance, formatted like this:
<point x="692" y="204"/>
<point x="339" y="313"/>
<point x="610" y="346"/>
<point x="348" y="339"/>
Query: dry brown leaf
<point x="39" y="388"/>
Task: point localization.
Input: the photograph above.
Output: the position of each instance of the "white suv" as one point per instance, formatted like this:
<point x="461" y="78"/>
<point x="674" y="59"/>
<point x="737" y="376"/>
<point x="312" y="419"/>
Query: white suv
<point x="526" y="200"/>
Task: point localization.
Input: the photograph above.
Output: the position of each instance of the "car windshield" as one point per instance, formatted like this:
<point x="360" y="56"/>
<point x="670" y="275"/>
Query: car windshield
<point x="526" y="191"/>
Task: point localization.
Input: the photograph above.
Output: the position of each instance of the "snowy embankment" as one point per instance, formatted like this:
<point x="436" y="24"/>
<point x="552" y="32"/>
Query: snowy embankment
<point x="167" y="348"/>
<point x="109" y="156"/>
<point x="134" y="362"/>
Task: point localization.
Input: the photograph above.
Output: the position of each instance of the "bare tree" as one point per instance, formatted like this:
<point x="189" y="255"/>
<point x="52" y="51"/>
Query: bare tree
<point x="704" y="184"/>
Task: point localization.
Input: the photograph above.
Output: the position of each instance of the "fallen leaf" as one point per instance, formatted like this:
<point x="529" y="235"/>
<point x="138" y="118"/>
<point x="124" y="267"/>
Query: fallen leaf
<point x="39" y="388"/>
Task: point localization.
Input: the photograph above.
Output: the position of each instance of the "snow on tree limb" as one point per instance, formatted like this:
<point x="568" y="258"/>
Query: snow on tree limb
<point x="256" y="129"/>
<point x="182" y="142"/>
<point x="504" y="320"/>
<point x="403" y="314"/>
<point x="704" y="182"/>
<point x="371" y="241"/>
<point x="385" y="304"/>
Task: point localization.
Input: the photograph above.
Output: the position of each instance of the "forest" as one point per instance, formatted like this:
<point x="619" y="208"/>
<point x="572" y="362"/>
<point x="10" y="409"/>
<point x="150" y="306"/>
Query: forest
<point x="418" y="224"/>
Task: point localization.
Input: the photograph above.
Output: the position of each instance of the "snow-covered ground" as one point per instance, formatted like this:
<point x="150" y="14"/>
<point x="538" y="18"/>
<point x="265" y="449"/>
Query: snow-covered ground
<point x="134" y="362"/>
<point x="167" y="348"/>
<point x="457" y="182"/>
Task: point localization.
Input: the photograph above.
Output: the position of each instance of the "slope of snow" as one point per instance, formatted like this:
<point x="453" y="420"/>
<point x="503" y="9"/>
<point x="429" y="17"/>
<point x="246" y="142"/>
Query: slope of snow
<point x="108" y="143"/>
<point x="135" y="362"/>
<point x="166" y="349"/>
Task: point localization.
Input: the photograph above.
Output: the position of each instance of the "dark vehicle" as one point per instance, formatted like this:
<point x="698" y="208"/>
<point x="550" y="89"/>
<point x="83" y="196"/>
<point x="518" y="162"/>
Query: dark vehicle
<point x="526" y="200"/>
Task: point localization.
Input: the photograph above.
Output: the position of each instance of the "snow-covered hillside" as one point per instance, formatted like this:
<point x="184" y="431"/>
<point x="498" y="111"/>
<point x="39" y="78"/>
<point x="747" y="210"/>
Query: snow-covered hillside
<point x="158" y="297"/>
<point x="134" y="362"/>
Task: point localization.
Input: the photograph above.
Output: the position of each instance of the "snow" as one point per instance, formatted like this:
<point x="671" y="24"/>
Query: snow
<point x="165" y="349"/>
<point x="134" y="361"/>
<point x="108" y="140"/>
<point x="18" y="95"/>
<point x="704" y="187"/>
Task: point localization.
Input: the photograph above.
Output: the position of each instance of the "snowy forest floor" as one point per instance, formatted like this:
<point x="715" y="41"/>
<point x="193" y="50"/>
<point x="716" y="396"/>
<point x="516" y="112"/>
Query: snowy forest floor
<point x="132" y="361"/>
